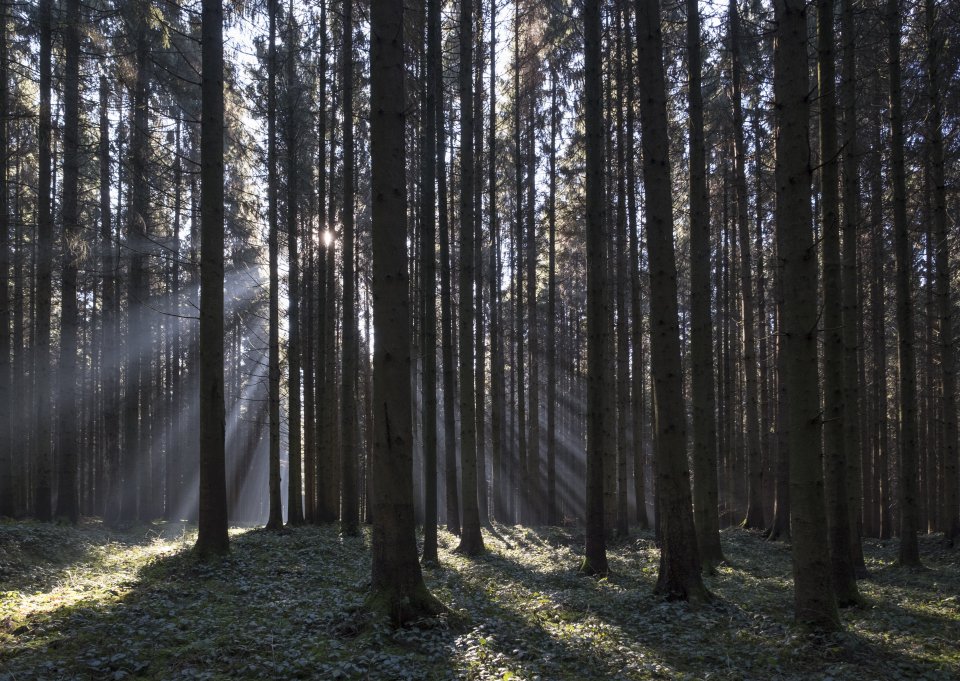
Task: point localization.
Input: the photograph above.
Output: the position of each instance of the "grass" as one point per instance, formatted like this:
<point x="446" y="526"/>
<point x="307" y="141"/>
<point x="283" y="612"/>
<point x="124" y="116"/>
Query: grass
<point x="90" y="603"/>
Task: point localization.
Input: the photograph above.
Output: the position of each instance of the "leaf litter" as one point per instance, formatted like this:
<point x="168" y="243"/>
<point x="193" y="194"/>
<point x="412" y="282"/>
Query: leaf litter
<point x="89" y="602"/>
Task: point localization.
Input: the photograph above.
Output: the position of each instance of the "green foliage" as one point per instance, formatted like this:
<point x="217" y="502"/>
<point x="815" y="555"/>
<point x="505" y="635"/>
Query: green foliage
<point x="88" y="602"/>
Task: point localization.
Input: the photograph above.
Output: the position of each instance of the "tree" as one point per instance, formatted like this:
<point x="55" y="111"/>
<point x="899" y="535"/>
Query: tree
<point x="7" y="465"/>
<point x="835" y="464"/>
<point x="428" y="253"/>
<point x="679" y="575"/>
<point x="754" y="517"/>
<point x="42" y="505"/>
<point x="814" y="601"/>
<point x="212" y="527"/>
<point x="68" y="506"/>
<point x="701" y="323"/>
<point x="599" y="319"/>
<point x="909" y="518"/>
<point x="471" y="540"/>
<point x="349" y="502"/>
<point x="950" y="514"/>
<point x="295" y="479"/>
<point x="275" y="520"/>
<point x="397" y="587"/>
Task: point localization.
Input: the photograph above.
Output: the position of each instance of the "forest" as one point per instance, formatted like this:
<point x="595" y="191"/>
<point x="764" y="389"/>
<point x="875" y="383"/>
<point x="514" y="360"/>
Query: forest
<point x="479" y="339"/>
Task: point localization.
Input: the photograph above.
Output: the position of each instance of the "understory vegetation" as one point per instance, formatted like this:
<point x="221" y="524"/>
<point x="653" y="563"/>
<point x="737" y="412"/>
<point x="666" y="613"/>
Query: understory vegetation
<point x="90" y="602"/>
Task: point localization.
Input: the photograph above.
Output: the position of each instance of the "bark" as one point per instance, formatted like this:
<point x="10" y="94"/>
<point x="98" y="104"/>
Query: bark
<point x="446" y="319"/>
<point x="8" y="477"/>
<point x="909" y="554"/>
<point x="68" y="507"/>
<point x="349" y="502"/>
<point x="295" y="457"/>
<point x="212" y="537"/>
<point x="599" y="318"/>
<point x="835" y="463"/>
<point x="551" y="322"/>
<point x="42" y="496"/>
<point x="636" y="326"/>
<point x="949" y="507"/>
<point x="679" y="574"/>
<point x="814" y="602"/>
<point x="498" y="396"/>
<point x="398" y="589"/>
<point x="707" y="520"/>
<point x="275" y="520"/>
<point x="623" y="277"/>
<point x="754" y="517"/>
<point x="852" y="406"/>
<point x="471" y="540"/>
<point x="428" y="254"/>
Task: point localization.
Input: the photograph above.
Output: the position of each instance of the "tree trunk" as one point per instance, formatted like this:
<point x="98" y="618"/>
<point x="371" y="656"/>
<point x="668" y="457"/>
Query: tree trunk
<point x="754" y="516"/>
<point x="295" y="479"/>
<point x="551" y="340"/>
<point x="599" y="318"/>
<point x="212" y="537"/>
<point x="701" y="322"/>
<point x="852" y="406"/>
<point x="42" y="496"/>
<point x="814" y="602"/>
<point x="398" y="590"/>
<point x="428" y="254"/>
<point x="623" y="278"/>
<point x="471" y="541"/>
<point x="349" y="503"/>
<point x="834" y="460"/>
<point x="950" y="508"/>
<point x="8" y="477"/>
<point x="679" y="575"/>
<point x="275" y="520"/>
<point x="68" y="506"/>
<point x="907" y="441"/>
<point x="446" y="318"/>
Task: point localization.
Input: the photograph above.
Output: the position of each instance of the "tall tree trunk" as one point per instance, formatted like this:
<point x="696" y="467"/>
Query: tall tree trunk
<point x="950" y="508"/>
<point x="623" y="278"/>
<point x="8" y="477"/>
<point x="42" y="495"/>
<point x="275" y="520"/>
<point x="136" y="478"/>
<point x="397" y="589"/>
<point x="636" y="327"/>
<point x="909" y="554"/>
<point x="480" y="381"/>
<point x="295" y="479"/>
<point x="707" y="520"/>
<point x="446" y="318"/>
<point x="68" y="506"/>
<point x="110" y="348"/>
<point x="535" y="486"/>
<point x="599" y="317"/>
<point x="754" y="516"/>
<point x="814" y="601"/>
<point x="834" y="460"/>
<point x="428" y="254"/>
<point x="497" y="397"/>
<point x="679" y="575"/>
<point x="852" y="405"/>
<point x="471" y="541"/>
<point x="212" y="537"/>
<point x="551" y="325"/>
<point x="349" y="504"/>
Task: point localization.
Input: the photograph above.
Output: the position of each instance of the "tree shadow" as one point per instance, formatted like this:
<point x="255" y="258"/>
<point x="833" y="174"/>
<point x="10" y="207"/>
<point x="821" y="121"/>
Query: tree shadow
<point x="274" y="608"/>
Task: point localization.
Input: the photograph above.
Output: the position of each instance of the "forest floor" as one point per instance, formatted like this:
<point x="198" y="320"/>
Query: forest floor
<point x="90" y="603"/>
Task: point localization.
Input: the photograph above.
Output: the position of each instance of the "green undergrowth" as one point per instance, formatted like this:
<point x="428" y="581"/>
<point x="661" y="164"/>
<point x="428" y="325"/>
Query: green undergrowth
<point x="91" y="603"/>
